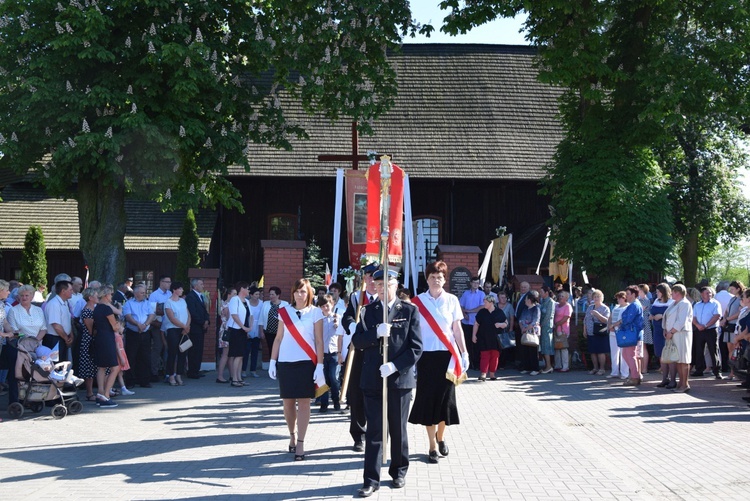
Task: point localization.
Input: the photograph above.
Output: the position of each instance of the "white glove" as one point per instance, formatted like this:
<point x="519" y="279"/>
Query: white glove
<point x="387" y="369"/>
<point x="384" y="330"/>
<point x="352" y="328"/>
<point x="272" y="369"/>
<point x="465" y="361"/>
<point x="319" y="375"/>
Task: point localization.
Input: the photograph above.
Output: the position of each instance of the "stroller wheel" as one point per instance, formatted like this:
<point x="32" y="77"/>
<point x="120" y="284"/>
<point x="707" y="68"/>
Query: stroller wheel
<point x="75" y="407"/>
<point x="15" y="410"/>
<point x="59" y="411"/>
<point x="36" y="406"/>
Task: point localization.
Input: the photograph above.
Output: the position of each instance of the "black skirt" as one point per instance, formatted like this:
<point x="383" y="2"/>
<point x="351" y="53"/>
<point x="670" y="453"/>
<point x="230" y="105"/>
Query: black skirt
<point x="237" y="342"/>
<point x="436" y="396"/>
<point x="296" y="379"/>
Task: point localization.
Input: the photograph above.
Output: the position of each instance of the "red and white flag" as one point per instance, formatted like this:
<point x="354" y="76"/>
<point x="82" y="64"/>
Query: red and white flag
<point x="328" y="275"/>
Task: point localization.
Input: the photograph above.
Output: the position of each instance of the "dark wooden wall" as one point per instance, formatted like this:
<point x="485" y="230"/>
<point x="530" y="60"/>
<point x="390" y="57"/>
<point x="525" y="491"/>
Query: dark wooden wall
<point x="469" y="212"/>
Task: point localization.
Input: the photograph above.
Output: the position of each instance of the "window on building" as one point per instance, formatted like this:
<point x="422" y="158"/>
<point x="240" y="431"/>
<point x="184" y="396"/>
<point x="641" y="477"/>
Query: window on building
<point x="144" y="277"/>
<point x="282" y="227"/>
<point x="426" y="238"/>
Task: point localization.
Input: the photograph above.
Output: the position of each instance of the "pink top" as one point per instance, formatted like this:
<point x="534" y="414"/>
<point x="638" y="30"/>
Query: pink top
<point x="561" y="312"/>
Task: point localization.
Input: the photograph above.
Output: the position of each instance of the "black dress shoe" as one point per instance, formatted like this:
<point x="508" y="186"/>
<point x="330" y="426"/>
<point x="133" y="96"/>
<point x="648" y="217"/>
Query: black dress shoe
<point x="662" y="384"/>
<point x="398" y="483"/>
<point x="432" y="457"/>
<point x="359" y="447"/>
<point x="443" y="448"/>
<point x="367" y="490"/>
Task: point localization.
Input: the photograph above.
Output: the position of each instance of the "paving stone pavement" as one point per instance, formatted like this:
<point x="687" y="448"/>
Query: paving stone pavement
<point x="561" y="436"/>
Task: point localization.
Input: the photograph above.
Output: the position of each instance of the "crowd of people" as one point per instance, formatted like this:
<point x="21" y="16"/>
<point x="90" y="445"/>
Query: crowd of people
<point x="327" y="349"/>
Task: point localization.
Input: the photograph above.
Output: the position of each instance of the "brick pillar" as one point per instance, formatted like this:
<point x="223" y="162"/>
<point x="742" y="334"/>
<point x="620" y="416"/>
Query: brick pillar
<point x="466" y="256"/>
<point x="210" y="277"/>
<point x="282" y="267"/>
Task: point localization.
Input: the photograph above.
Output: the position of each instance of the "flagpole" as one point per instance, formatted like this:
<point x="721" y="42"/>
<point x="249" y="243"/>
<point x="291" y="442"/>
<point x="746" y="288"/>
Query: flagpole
<point x="385" y="206"/>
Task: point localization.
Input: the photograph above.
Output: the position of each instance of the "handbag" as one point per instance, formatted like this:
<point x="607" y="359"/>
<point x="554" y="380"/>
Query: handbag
<point x="628" y="337"/>
<point x="507" y="340"/>
<point x="670" y="354"/>
<point x="530" y="337"/>
<point x="561" y="341"/>
<point x="185" y="345"/>
<point x="600" y="329"/>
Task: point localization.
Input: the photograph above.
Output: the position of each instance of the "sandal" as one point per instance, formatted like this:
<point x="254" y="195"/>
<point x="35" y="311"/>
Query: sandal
<point x="172" y="382"/>
<point x="292" y="448"/>
<point x="91" y="398"/>
<point x="299" y="457"/>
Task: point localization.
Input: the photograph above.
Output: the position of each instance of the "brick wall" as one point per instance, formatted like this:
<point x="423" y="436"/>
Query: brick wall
<point x="455" y="256"/>
<point x="210" y="277"/>
<point x="282" y="267"/>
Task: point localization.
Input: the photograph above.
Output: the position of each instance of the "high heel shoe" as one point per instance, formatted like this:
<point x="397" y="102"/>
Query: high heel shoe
<point x="292" y="448"/>
<point x="299" y="457"/>
<point x="172" y="381"/>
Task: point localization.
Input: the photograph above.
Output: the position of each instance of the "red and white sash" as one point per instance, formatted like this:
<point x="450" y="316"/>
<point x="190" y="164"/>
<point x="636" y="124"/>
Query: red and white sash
<point x="441" y="327"/>
<point x="292" y="324"/>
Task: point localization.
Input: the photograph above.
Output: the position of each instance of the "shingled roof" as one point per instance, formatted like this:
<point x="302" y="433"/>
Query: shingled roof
<point x="462" y="111"/>
<point x="147" y="227"/>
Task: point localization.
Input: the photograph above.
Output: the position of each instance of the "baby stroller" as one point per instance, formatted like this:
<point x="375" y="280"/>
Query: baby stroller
<point x="35" y="386"/>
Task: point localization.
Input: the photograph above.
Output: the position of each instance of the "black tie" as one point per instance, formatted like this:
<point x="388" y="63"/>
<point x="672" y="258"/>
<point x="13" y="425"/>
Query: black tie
<point x="299" y="314"/>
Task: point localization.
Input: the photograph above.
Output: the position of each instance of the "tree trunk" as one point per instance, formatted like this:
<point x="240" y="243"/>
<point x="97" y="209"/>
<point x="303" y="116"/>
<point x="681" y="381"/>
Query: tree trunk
<point x="610" y="281"/>
<point x="689" y="258"/>
<point x="101" y="218"/>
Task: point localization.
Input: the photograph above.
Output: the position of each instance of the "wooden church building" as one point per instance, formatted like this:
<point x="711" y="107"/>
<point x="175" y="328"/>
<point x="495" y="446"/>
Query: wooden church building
<point x="471" y="126"/>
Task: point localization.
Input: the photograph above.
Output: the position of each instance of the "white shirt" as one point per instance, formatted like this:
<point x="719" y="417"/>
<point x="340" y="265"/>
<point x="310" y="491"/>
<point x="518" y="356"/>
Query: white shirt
<point x="289" y="350"/>
<point x="255" y="314"/>
<point x="237" y="308"/>
<point x="57" y="312"/>
<point x="27" y="323"/>
<point x="723" y="297"/>
<point x="616" y="314"/>
<point x="160" y="296"/>
<point x="331" y="334"/>
<point x="179" y="311"/>
<point x="704" y="311"/>
<point x="448" y="306"/>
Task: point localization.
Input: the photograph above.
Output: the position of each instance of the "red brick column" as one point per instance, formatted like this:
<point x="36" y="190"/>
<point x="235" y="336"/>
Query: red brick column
<point x="210" y="277"/>
<point x="466" y="256"/>
<point x="282" y="267"/>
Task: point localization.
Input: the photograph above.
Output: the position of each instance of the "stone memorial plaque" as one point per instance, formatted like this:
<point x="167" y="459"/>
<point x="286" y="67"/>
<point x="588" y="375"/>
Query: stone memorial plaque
<point x="459" y="281"/>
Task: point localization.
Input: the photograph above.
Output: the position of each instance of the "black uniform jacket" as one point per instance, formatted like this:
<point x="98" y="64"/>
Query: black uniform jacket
<point x="404" y="345"/>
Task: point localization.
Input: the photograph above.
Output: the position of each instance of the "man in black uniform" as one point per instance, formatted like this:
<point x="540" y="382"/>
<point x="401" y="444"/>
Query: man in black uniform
<point x="358" y="422"/>
<point x="404" y="349"/>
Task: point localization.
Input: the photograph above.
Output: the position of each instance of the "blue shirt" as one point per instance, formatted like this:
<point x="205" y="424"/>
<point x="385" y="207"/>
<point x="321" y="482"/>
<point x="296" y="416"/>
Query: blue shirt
<point x="139" y="310"/>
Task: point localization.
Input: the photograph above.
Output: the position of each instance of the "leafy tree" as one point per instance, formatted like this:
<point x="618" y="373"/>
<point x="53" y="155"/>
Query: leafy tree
<point x="703" y="161"/>
<point x="34" y="258"/>
<point x="315" y="265"/>
<point x="156" y="98"/>
<point x="187" y="254"/>
<point x="630" y="72"/>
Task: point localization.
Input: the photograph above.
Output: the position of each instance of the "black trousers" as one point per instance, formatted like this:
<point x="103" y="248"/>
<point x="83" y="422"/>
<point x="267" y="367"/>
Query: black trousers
<point x="195" y="353"/>
<point x="701" y="339"/>
<point x="138" y="350"/>
<point x="355" y="399"/>
<point x="398" y="413"/>
<point x="175" y="357"/>
<point x="470" y="346"/>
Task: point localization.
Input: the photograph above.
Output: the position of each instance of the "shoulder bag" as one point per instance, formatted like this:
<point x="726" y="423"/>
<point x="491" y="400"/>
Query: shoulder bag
<point x="670" y="354"/>
<point x="507" y="340"/>
<point x="531" y="337"/>
<point x="185" y="343"/>
<point x="600" y="329"/>
<point x="628" y="337"/>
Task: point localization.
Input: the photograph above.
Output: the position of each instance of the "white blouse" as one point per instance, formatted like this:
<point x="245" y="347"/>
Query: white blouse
<point x="289" y="350"/>
<point x="27" y="323"/>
